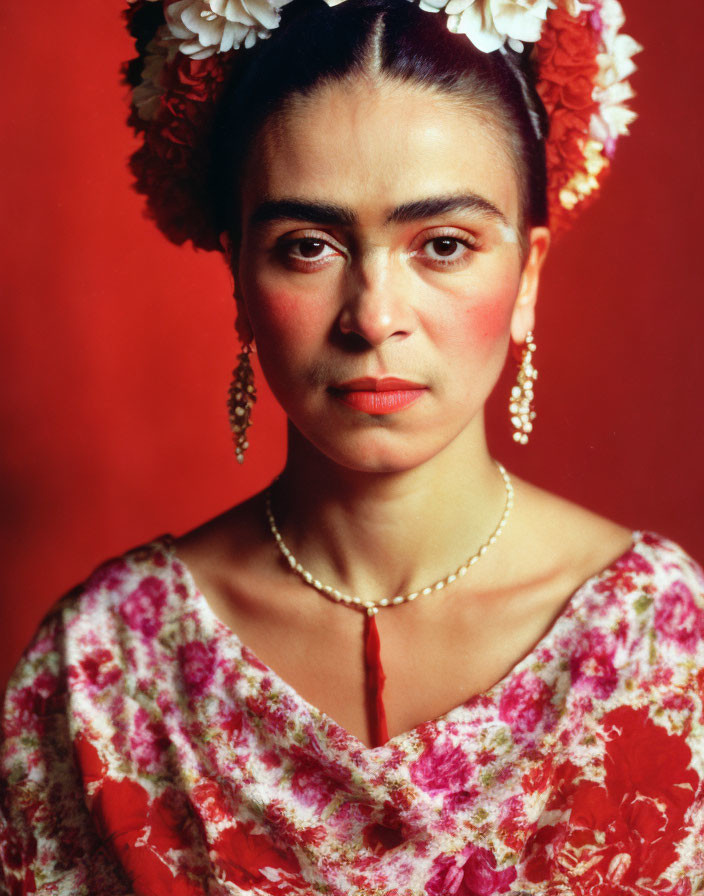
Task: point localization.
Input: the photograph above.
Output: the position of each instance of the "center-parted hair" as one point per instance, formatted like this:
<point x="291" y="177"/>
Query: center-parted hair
<point x="317" y="44"/>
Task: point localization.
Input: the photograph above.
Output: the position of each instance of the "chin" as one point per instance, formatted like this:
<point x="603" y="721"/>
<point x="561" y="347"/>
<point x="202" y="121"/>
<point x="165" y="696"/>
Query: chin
<point x="365" y="454"/>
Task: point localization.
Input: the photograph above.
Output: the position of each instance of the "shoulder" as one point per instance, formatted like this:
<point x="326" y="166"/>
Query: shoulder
<point x="124" y="598"/>
<point x="671" y="586"/>
<point x="560" y="543"/>
<point x="574" y="547"/>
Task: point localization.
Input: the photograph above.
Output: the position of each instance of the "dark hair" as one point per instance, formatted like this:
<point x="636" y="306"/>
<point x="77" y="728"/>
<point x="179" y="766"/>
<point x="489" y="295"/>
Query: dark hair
<point x="317" y="44"/>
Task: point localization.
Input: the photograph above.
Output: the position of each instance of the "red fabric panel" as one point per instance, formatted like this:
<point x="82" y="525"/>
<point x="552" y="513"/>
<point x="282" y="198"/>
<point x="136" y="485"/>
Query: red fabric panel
<point x="374" y="682"/>
<point x="116" y="348"/>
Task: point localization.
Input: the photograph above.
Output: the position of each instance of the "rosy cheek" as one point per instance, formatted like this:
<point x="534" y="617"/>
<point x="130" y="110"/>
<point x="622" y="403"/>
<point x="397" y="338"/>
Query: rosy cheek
<point x="480" y="320"/>
<point x="487" y="322"/>
<point x="281" y="313"/>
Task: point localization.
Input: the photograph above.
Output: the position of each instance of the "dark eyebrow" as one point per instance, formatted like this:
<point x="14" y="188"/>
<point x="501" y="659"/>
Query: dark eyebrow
<point x="326" y="213"/>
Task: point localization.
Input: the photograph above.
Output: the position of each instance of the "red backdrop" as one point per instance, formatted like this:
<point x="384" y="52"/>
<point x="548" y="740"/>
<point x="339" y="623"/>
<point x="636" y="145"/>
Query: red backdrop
<point x="117" y="347"/>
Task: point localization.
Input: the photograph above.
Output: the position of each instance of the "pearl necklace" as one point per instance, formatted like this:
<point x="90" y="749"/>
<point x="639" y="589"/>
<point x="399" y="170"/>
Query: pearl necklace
<point x="370" y="606"/>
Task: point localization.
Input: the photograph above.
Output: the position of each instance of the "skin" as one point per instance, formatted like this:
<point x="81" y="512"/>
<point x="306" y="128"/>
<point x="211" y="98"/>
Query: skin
<point x="384" y="505"/>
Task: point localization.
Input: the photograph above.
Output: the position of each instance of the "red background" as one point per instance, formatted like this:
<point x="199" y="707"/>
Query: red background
<point x="116" y="347"/>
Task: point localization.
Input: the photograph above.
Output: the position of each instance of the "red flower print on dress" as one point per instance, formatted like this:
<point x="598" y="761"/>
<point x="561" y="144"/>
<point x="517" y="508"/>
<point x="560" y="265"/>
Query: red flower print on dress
<point x="312" y="788"/>
<point x="108" y="575"/>
<point x="149" y="741"/>
<point x="592" y="664"/>
<point x="142" y="832"/>
<point x="621" y="834"/>
<point x="442" y="767"/>
<point x="471" y="872"/>
<point x="525" y="703"/>
<point x="99" y="670"/>
<point x="621" y="575"/>
<point x="250" y="859"/>
<point x="33" y="705"/>
<point x="254" y="660"/>
<point x="142" y="608"/>
<point x="89" y="762"/>
<point x="678" y="618"/>
<point x="197" y="662"/>
<point x="379" y="838"/>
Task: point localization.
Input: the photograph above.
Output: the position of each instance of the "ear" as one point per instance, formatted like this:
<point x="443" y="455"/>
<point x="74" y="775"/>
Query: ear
<point x="242" y="324"/>
<point x="523" y="318"/>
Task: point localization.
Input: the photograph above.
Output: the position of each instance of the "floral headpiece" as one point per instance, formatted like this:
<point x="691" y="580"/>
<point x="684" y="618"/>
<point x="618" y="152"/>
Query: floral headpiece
<point x="581" y="59"/>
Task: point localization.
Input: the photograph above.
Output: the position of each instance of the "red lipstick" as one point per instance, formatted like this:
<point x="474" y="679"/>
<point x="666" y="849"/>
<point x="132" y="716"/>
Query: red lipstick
<point x="378" y="396"/>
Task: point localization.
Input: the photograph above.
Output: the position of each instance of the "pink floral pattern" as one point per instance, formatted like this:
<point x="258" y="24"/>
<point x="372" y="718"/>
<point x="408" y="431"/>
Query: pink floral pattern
<point x="146" y="751"/>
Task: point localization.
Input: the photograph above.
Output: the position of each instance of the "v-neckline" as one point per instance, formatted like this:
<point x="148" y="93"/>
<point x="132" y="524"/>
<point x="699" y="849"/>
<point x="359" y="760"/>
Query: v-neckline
<point x="324" y="722"/>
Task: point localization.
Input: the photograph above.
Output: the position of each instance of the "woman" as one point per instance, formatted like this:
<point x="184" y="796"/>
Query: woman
<point x="210" y="714"/>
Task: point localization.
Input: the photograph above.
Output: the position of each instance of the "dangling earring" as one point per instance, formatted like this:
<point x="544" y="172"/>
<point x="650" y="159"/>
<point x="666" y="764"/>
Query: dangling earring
<point x="522" y="395"/>
<point x="242" y="396"/>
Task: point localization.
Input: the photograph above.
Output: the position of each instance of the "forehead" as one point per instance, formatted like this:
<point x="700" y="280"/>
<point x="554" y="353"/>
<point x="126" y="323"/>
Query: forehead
<point x="370" y="146"/>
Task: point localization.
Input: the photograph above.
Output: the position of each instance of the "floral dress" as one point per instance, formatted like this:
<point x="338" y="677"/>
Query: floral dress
<point x="147" y="751"/>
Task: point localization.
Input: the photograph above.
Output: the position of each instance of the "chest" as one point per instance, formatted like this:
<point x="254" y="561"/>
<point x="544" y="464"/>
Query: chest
<point x="434" y="656"/>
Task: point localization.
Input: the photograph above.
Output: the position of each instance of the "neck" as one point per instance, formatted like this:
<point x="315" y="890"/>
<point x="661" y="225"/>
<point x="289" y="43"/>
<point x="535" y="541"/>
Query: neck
<point x="376" y="535"/>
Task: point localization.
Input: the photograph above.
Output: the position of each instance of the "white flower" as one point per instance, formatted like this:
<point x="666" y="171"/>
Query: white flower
<point x="159" y="51"/>
<point x="490" y="24"/>
<point x="611" y="88"/>
<point x="204" y="27"/>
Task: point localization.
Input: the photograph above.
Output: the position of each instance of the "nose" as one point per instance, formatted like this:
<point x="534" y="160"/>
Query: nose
<point x="376" y="306"/>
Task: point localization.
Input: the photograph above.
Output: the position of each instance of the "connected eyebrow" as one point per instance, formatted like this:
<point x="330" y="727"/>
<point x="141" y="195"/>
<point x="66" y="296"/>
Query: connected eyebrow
<point x="331" y="215"/>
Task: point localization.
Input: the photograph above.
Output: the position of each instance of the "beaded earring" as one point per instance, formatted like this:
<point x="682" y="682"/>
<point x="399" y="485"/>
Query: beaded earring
<point x="242" y="396"/>
<point x="522" y="395"/>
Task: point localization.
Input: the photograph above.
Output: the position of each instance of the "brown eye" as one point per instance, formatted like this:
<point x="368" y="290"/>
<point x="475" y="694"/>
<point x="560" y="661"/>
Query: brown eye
<point x="309" y="247"/>
<point x="447" y="249"/>
<point x="444" y="245"/>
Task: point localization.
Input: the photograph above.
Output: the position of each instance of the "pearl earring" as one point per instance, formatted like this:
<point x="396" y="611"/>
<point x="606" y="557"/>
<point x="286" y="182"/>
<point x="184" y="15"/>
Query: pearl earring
<point x="522" y="395"/>
<point x="241" y="397"/>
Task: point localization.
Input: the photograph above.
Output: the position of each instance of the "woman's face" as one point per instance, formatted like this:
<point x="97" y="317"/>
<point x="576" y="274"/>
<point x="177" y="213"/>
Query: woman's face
<point x="380" y="243"/>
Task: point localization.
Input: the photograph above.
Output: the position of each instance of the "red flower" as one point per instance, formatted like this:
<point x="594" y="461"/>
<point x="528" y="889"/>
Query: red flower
<point x="142" y="608"/>
<point x="379" y="838"/>
<point x="88" y="760"/>
<point x="243" y="856"/>
<point x="592" y="665"/>
<point x="34" y="705"/>
<point x="525" y="703"/>
<point x="120" y="811"/>
<point x="197" y="662"/>
<point x="470" y="873"/>
<point x="622" y="832"/>
<point x="108" y="575"/>
<point x="678" y="618"/>
<point x="441" y="767"/>
<point x="566" y="57"/>
<point x="100" y="669"/>
<point x="175" y="148"/>
<point x="140" y="831"/>
<point x="169" y="819"/>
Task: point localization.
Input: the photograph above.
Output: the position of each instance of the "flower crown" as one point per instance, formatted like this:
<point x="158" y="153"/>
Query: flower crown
<point x="581" y="59"/>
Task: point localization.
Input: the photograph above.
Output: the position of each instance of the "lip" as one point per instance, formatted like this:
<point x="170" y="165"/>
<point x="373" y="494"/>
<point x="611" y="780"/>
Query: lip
<point x="370" y="384"/>
<point x="378" y="396"/>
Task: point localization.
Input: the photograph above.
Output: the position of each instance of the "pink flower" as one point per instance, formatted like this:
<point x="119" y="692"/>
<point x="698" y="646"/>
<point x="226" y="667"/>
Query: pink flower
<point x="149" y="740"/>
<point x="311" y="787"/>
<point x="525" y="703"/>
<point x="34" y="704"/>
<point x="197" y="661"/>
<point x="470" y="873"/>
<point x="100" y="669"/>
<point x="442" y="766"/>
<point x="678" y="618"/>
<point x="142" y="608"/>
<point x="109" y="575"/>
<point x="592" y="665"/>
